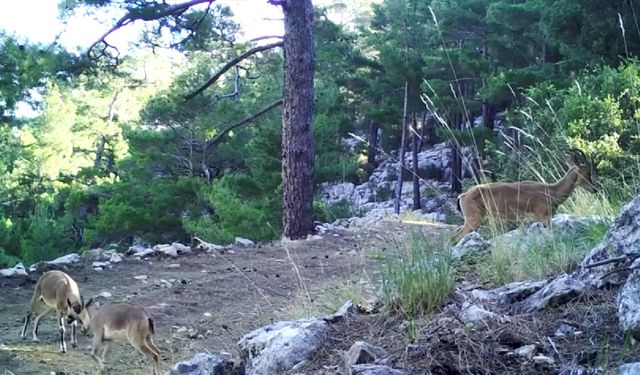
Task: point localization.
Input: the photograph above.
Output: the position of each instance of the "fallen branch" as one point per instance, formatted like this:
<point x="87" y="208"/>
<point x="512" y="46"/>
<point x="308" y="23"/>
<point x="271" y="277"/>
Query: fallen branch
<point x="230" y="65"/>
<point x="607" y="261"/>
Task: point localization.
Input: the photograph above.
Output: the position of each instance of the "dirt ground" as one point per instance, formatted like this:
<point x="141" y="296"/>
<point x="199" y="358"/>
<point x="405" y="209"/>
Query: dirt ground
<point x="205" y="302"/>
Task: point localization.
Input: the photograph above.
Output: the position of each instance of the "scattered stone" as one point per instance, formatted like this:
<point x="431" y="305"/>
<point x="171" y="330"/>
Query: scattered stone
<point x="207" y="315"/>
<point x="526" y="351"/>
<point x="173" y="265"/>
<point x="472" y="313"/>
<point x="470" y="244"/>
<point x="135" y="248"/>
<point x="363" y="353"/>
<point x="343" y="312"/>
<point x="565" y="330"/>
<point x="67" y="259"/>
<point x="17" y="270"/>
<point x="104" y="295"/>
<point x="140" y="277"/>
<point x="100" y="265"/>
<point x="575" y="370"/>
<point x="367" y="369"/>
<point x="560" y="290"/>
<point x="244" y="242"/>
<point x="543" y="360"/>
<point x="202" y="364"/>
<point x="278" y="347"/>
<point x="144" y="253"/>
<point x="517" y="291"/>
<point x="629" y="369"/>
<point x="115" y="258"/>
<point x="163" y="283"/>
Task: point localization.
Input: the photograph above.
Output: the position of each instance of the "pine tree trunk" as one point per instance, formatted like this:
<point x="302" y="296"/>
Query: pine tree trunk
<point x="414" y="154"/>
<point x="372" y="147"/>
<point x="398" y="192"/>
<point x="297" y="141"/>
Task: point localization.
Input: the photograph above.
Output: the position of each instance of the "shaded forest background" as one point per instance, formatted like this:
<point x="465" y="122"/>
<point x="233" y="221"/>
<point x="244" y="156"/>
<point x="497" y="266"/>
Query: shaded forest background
<point x="113" y="152"/>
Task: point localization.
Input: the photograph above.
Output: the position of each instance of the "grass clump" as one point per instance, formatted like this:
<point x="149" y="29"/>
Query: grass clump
<point x="420" y="277"/>
<point x="537" y="255"/>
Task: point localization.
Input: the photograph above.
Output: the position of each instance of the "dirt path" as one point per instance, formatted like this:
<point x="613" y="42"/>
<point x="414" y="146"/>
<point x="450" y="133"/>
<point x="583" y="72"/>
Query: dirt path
<point x="208" y="302"/>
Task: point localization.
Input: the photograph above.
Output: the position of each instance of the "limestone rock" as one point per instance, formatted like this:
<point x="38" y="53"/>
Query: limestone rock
<point x="470" y="244"/>
<point x="243" y="242"/>
<point x="202" y="364"/>
<point x="363" y="353"/>
<point x="17" y="270"/>
<point x="556" y="292"/>
<point x="629" y="302"/>
<point x="278" y="347"/>
<point x="368" y="369"/>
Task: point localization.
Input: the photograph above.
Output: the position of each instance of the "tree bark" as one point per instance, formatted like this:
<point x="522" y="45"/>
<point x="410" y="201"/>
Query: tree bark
<point x="372" y="147"/>
<point x="414" y="154"/>
<point x="297" y="140"/>
<point x="398" y="192"/>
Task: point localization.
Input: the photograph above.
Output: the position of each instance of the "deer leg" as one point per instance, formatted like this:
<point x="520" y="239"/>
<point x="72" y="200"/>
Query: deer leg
<point x="74" y="339"/>
<point x="27" y="318"/>
<point x="63" y="344"/>
<point x="144" y="349"/>
<point x="95" y="342"/>
<point x="36" y="322"/>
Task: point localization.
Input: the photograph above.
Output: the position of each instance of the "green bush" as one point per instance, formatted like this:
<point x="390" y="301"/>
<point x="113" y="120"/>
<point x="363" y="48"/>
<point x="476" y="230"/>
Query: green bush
<point x="330" y="213"/>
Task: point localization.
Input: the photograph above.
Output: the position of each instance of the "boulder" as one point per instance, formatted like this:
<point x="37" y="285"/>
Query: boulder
<point x="629" y="302"/>
<point x="203" y="364"/>
<point x="17" y="270"/>
<point x="560" y="290"/>
<point x="622" y="240"/>
<point x="470" y="244"/>
<point x="629" y="369"/>
<point x="167" y="250"/>
<point x="180" y="248"/>
<point x="115" y="258"/>
<point x="277" y="348"/>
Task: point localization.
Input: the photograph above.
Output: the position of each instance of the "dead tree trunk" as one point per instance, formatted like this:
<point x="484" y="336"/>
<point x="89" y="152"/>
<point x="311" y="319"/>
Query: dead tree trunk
<point x="414" y="154"/>
<point x="297" y="140"/>
<point x="398" y="192"/>
<point x="456" y="159"/>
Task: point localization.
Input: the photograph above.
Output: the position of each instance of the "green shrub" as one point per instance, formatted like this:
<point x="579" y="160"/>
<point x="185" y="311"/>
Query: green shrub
<point x="420" y="276"/>
<point x="330" y="213"/>
<point x="45" y="236"/>
<point x="383" y="193"/>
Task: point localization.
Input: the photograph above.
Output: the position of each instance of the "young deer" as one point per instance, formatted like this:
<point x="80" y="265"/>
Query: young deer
<point x="122" y="322"/>
<point x="60" y="293"/>
<point x="510" y="202"/>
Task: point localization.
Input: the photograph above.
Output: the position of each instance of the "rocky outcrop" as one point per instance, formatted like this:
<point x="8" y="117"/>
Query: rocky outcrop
<point x="629" y="302"/>
<point x="560" y="290"/>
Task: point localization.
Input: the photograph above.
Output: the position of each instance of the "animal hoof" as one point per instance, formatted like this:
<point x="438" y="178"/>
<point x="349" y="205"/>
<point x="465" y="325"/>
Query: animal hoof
<point x="74" y="345"/>
<point x="35" y="340"/>
<point x="63" y="350"/>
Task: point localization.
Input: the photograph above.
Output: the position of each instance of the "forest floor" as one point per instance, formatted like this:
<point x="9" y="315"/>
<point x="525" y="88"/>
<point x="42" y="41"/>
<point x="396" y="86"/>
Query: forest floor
<point x="206" y="302"/>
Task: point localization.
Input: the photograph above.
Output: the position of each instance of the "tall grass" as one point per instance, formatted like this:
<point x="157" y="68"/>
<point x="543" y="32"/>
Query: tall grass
<point x="420" y="277"/>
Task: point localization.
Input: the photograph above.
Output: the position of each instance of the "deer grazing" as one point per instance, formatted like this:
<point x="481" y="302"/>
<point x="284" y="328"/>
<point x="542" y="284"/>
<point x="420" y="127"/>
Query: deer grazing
<point x="510" y="202"/>
<point x="121" y="322"/>
<point x="60" y="293"/>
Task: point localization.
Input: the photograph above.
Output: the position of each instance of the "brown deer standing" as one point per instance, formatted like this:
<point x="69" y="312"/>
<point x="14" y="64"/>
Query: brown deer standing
<point x="510" y="202"/>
